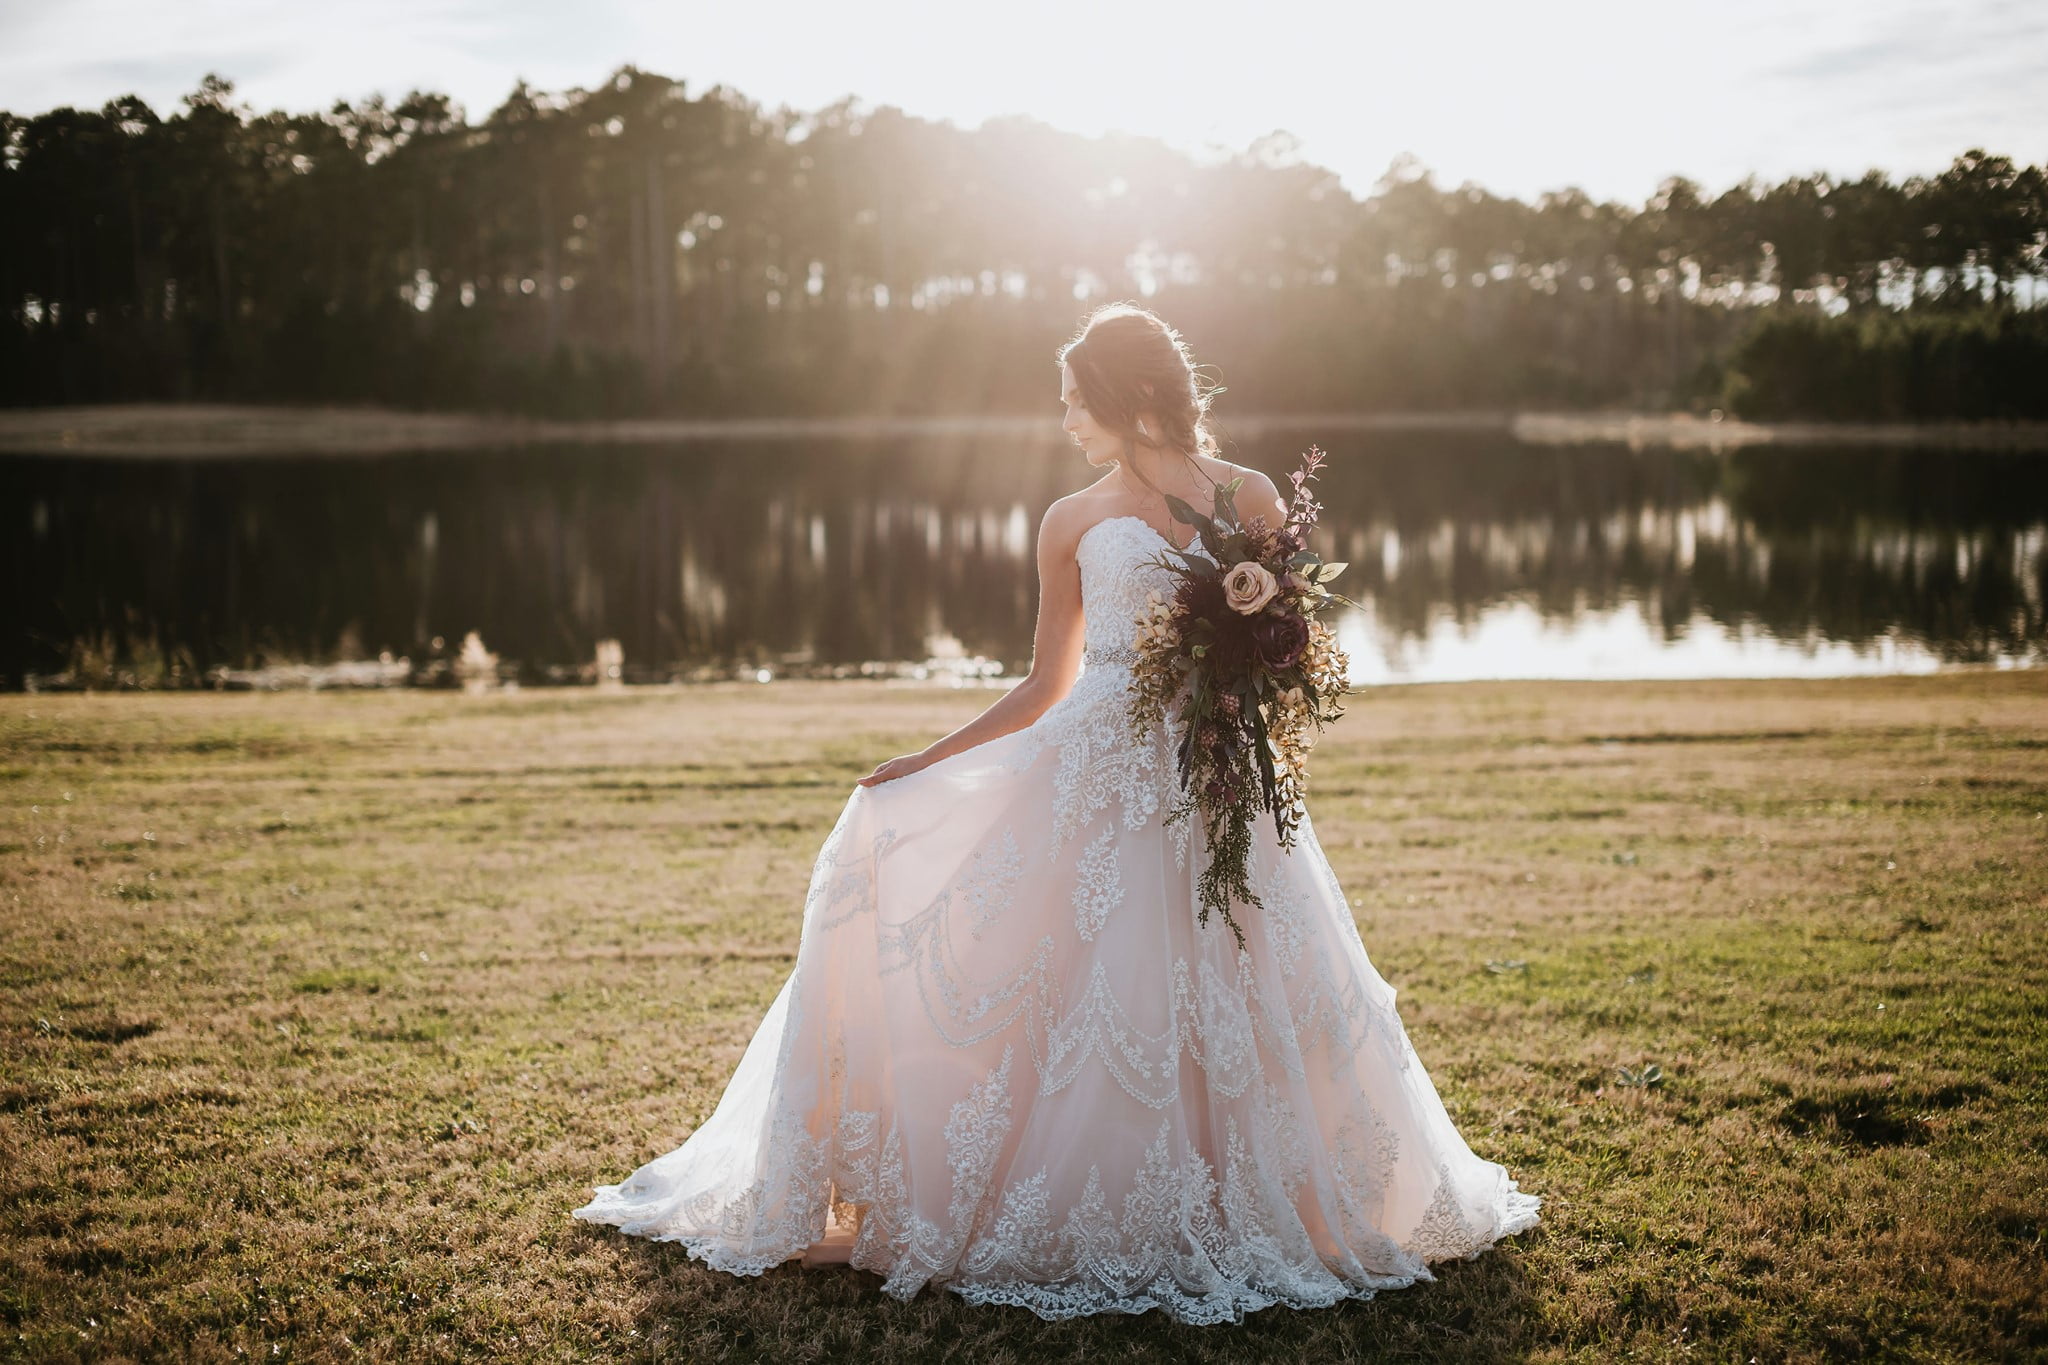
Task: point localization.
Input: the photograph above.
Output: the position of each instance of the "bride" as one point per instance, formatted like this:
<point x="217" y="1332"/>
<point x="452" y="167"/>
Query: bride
<point x="1009" y="1060"/>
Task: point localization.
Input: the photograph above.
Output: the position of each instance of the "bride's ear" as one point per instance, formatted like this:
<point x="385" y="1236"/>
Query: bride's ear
<point x="1144" y="411"/>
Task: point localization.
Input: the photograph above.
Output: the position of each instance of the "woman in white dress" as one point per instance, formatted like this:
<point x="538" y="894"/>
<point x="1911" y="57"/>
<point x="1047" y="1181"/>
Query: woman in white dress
<point x="1009" y="1059"/>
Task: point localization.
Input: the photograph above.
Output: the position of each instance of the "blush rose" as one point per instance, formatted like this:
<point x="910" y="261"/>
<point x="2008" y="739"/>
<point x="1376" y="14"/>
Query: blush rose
<point x="1248" y="587"/>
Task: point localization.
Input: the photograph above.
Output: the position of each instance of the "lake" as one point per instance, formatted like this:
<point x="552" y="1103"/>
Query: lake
<point x="1472" y="556"/>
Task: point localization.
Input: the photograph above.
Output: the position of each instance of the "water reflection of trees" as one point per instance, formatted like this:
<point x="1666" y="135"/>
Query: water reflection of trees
<point x="786" y="554"/>
<point x="1848" y="546"/>
<point x="760" y="553"/>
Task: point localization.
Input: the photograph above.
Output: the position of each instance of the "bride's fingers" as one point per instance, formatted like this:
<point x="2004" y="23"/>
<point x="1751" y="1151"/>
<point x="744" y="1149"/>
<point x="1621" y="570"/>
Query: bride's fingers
<point x="887" y="772"/>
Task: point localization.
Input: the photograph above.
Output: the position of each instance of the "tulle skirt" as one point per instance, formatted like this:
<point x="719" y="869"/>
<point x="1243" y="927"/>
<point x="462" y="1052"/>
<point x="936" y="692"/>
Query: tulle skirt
<point x="1009" y="1060"/>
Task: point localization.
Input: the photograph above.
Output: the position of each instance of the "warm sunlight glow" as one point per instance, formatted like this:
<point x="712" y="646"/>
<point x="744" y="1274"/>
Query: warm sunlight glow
<point x="1519" y="98"/>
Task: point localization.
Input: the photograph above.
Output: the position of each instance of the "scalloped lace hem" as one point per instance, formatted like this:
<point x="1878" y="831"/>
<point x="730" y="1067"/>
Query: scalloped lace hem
<point x="1056" y="1301"/>
<point x="1234" y="1299"/>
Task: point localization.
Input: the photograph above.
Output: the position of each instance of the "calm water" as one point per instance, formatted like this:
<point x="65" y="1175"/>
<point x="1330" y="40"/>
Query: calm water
<point x="1472" y="556"/>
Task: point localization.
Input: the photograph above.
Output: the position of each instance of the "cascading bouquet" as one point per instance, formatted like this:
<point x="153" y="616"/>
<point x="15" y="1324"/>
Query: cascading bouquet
<point x="1261" y="675"/>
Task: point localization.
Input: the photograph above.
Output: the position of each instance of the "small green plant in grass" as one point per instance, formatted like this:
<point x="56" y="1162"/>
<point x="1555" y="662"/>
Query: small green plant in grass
<point x="327" y="980"/>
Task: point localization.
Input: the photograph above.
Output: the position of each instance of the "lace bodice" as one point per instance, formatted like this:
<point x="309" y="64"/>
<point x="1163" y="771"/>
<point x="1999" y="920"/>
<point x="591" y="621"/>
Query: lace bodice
<point x="1115" y="578"/>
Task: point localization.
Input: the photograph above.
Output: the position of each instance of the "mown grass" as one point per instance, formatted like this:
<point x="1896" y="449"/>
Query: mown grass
<point x="319" y="1013"/>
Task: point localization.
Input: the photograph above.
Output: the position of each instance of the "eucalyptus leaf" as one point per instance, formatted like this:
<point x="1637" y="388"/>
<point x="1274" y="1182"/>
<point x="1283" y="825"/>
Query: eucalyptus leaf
<point x="1183" y="511"/>
<point x="1226" y="500"/>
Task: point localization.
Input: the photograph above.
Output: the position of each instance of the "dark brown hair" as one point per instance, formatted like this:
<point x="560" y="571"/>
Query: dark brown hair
<point x="1126" y="360"/>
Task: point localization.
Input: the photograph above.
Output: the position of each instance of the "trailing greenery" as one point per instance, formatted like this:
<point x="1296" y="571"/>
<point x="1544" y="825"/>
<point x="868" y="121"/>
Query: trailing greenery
<point x="319" y="1013"/>
<point x="635" y="249"/>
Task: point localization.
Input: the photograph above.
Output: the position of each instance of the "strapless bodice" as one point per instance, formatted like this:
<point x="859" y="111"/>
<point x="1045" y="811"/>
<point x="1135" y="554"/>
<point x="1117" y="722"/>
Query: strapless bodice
<point x="1116" y="577"/>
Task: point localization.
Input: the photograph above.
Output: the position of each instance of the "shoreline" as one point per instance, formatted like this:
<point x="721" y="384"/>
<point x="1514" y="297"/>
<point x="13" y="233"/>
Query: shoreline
<point x="234" y="431"/>
<point x="442" y="675"/>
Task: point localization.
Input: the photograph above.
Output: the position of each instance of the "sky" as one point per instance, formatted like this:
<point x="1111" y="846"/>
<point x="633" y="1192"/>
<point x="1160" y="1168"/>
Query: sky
<point x="1518" y="97"/>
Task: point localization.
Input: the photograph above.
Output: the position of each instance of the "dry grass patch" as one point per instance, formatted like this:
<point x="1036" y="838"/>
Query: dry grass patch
<point x="319" y="1013"/>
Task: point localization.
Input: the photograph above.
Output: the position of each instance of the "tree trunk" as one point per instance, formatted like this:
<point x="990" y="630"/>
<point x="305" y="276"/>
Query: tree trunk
<point x="139" y="285"/>
<point x="661" y="278"/>
<point x="419" y="256"/>
<point x="636" y="270"/>
<point x="224" y="292"/>
<point x="551" y="269"/>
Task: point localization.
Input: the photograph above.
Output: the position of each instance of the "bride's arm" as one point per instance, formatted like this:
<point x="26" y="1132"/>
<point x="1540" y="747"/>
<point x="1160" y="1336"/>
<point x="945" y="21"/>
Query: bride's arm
<point x="1055" y="650"/>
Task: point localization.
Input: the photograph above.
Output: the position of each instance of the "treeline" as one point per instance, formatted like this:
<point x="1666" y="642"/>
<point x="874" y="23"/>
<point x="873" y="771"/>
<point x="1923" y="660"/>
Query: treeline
<point x="631" y="249"/>
<point x="1874" y="364"/>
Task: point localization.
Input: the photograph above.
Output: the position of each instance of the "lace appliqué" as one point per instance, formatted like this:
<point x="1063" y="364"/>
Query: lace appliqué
<point x="975" y="1130"/>
<point x="1099" y="764"/>
<point x="843" y="888"/>
<point x="1202" y="1249"/>
<point x="1098" y="888"/>
<point x="1446" y="1232"/>
<point x="990" y="882"/>
<point x="1284" y="904"/>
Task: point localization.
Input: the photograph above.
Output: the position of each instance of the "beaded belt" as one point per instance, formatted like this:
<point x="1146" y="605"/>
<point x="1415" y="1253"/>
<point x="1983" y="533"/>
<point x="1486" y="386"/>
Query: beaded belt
<point x="1109" y="656"/>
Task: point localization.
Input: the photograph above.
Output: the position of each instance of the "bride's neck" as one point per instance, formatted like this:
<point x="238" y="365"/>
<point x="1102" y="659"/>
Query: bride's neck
<point x="1169" y="470"/>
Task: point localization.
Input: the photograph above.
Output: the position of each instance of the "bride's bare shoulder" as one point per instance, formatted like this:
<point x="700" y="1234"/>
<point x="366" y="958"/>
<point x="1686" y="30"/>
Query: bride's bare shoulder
<point x="1069" y="517"/>
<point x="1086" y="506"/>
<point x="1256" y="495"/>
<point x="1103" y="492"/>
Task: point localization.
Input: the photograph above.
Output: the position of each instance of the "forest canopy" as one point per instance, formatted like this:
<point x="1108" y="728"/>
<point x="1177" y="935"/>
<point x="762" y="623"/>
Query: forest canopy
<point x="635" y="249"/>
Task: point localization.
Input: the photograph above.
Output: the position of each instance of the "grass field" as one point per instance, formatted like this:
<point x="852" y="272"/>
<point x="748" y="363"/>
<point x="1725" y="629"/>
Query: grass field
<point x="319" y="1013"/>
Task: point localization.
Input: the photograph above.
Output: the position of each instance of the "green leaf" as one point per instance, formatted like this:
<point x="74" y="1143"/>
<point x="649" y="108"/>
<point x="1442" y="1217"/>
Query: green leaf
<point x="1330" y="571"/>
<point x="1226" y="500"/>
<point x="1183" y="511"/>
<point x="1262" y="749"/>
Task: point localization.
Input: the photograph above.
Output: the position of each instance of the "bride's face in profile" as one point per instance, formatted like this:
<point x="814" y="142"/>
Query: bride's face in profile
<point x="1097" y="445"/>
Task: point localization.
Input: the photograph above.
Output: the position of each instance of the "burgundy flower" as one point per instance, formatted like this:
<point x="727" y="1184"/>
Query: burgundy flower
<point x="1201" y="599"/>
<point x="1231" y="651"/>
<point x="1279" y="639"/>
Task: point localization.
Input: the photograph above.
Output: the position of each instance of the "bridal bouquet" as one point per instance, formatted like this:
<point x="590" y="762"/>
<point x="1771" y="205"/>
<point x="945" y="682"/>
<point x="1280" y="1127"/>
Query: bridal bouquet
<point x="1261" y="674"/>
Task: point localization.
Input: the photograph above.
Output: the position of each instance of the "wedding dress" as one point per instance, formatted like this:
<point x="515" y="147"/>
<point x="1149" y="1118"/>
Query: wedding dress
<point x="1009" y="1060"/>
